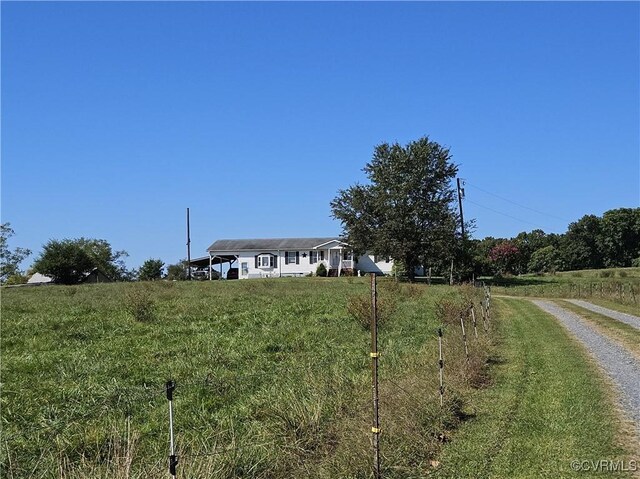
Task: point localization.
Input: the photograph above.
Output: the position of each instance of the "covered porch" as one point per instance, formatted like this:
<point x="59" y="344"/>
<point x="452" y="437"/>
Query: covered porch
<point x="339" y="258"/>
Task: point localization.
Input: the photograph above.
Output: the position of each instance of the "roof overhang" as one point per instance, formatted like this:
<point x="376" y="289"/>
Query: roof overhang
<point x="204" y="261"/>
<point x="339" y="243"/>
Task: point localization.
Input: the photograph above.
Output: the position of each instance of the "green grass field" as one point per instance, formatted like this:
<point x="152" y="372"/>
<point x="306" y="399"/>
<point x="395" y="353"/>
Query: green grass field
<point x="273" y="381"/>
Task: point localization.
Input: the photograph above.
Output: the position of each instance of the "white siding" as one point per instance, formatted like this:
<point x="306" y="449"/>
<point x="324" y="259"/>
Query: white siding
<point x="292" y="269"/>
<point x="366" y="264"/>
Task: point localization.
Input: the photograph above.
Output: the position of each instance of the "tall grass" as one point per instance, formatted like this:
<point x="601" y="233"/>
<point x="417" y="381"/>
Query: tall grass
<point x="272" y="379"/>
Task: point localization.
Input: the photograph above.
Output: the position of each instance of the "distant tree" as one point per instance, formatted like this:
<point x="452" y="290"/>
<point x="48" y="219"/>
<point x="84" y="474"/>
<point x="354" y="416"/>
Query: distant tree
<point x="66" y="261"/>
<point x="10" y="259"/>
<point x="406" y="212"/>
<point x="178" y="271"/>
<point x="620" y="237"/>
<point x="151" y="270"/>
<point x="544" y="260"/>
<point x="527" y="244"/>
<point x="105" y="259"/>
<point x="580" y="247"/>
<point x="482" y="263"/>
<point x="505" y="255"/>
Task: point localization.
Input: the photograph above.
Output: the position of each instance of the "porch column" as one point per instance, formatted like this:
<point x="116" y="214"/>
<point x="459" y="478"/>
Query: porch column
<point x="339" y="261"/>
<point x="210" y="266"/>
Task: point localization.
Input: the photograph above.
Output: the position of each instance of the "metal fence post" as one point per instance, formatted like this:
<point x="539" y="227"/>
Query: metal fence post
<point x="375" y="429"/>
<point x="464" y="337"/>
<point x="441" y="367"/>
<point x="473" y="318"/>
<point x="173" y="460"/>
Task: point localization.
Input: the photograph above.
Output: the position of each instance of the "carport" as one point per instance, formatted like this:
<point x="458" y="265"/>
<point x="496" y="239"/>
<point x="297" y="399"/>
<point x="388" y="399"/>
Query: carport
<point x="211" y="260"/>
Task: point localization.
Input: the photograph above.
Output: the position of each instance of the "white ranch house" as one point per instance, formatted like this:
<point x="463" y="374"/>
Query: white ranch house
<point x="281" y="257"/>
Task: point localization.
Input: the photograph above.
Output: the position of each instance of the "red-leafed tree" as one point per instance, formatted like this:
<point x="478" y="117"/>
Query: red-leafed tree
<point x="505" y="256"/>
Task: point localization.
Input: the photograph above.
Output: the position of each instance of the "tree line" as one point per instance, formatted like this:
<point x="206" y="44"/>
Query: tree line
<point x="593" y="242"/>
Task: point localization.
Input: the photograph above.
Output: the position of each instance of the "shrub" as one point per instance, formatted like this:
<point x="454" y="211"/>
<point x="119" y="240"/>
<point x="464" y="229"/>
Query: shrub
<point x="359" y="308"/>
<point x="17" y="279"/>
<point x="321" y="270"/>
<point x="139" y="304"/>
<point x="622" y="274"/>
<point x="576" y="275"/>
<point x="605" y="274"/>
<point x="449" y="309"/>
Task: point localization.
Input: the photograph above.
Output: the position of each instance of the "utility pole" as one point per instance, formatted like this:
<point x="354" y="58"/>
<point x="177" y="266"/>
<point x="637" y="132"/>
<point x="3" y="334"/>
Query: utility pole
<point x="189" y="248"/>
<point x="460" y="196"/>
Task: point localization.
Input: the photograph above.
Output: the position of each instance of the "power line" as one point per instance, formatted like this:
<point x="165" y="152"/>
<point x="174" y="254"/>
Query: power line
<point x="517" y="204"/>
<point x="505" y="214"/>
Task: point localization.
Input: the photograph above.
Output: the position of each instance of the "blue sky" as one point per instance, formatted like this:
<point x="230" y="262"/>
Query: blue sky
<point x="118" y="116"/>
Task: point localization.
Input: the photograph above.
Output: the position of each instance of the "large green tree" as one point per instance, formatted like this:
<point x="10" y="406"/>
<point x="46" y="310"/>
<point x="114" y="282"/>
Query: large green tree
<point x="68" y="261"/>
<point x="10" y="259"/>
<point x="620" y="237"/>
<point x="104" y="258"/>
<point x="579" y="248"/>
<point x="406" y="211"/>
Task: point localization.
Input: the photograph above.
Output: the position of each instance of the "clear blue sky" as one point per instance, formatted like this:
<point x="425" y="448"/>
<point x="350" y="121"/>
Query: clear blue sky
<point x="118" y="116"/>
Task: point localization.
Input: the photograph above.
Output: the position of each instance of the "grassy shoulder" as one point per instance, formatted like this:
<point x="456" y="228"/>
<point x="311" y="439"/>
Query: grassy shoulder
<point x="548" y="406"/>
<point x="626" y="335"/>
<point x="623" y="308"/>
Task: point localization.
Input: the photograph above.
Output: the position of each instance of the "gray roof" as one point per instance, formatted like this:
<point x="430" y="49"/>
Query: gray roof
<point x="269" y="244"/>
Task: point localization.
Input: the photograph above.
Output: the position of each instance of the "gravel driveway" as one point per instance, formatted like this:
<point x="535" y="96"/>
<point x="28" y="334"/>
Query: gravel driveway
<point x="620" y="366"/>
<point x="630" y="319"/>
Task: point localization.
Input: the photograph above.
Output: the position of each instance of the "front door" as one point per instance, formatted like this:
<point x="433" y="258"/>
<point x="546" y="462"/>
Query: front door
<point x="334" y="258"/>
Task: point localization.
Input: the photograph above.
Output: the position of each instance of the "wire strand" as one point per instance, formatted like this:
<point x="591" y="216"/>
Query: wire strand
<point x="516" y="204"/>
<point x="505" y="214"/>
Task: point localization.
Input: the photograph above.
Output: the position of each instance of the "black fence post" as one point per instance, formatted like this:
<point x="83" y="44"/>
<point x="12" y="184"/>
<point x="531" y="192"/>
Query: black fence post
<point x="173" y="460"/>
<point x="441" y="367"/>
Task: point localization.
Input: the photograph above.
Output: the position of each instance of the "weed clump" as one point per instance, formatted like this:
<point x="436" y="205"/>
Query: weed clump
<point x="140" y="305"/>
<point x="359" y="308"/>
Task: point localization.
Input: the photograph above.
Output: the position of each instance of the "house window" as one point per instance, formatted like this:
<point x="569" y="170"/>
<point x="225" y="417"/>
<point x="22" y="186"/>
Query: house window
<point x="245" y="269"/>
<point x="313" y="257"/>
<point x="292" y="257"/>
<point x="265" y="261"/>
